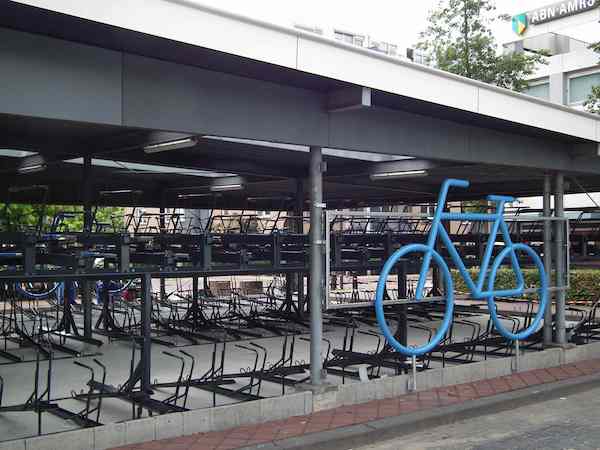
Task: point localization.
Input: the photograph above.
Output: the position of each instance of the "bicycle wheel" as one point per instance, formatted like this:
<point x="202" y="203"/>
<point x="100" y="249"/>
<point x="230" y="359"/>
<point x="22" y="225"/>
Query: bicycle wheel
<point x="449" y="289"/>
<point x="542" y="292"/>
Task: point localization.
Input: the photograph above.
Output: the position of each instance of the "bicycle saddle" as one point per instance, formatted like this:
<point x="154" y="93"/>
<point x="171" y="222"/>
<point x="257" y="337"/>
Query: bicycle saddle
<point x="500" y="198"/>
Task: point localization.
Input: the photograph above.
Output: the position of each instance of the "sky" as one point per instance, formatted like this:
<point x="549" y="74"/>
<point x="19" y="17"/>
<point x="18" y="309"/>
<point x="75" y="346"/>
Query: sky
<point x="397" y="22"/>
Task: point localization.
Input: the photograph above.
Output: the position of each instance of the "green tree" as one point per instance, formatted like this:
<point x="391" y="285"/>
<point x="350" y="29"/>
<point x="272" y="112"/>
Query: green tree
<point x="592" y="103"/>
<point x="26" y="217"/>
<point x="459" y="40"/>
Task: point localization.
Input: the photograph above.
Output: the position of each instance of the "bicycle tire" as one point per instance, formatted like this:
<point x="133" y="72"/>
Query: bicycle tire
<point x="379" y="311"/>
<point x="534" y="326"/>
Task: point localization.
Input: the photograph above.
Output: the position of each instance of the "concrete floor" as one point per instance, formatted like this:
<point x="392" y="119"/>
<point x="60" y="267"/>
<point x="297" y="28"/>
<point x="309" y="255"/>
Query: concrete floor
<point x="116" y="355"/>
<point x="566" y="423"/>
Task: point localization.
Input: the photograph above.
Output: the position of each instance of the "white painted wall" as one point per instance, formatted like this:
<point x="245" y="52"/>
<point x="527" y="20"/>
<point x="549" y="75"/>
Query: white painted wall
<point x="568" y="62"/>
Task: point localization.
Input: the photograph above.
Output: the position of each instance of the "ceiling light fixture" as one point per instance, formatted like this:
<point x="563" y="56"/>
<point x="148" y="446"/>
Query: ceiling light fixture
<point x="394" y="175"/>
<point x="265" y="198"/>
<point x="184" y="196"/>
<point x="17" y="189"/>
<point x="121" y="191"/>
<point x="32" y="164"/>
<point x="227" y="187"/>
<point x="170" y="145"/>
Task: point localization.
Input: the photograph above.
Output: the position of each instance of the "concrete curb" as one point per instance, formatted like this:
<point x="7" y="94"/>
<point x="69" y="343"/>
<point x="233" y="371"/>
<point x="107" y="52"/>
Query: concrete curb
<point x="393" y="427"/>
<point x="296" y="404"/>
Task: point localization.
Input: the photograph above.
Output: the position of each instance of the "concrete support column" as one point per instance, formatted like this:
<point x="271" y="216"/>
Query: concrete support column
<point x="316" y="264"/>
<point x="559" y="253"/>
<point x="558" y="88"/>
<point x="548" y="257"/>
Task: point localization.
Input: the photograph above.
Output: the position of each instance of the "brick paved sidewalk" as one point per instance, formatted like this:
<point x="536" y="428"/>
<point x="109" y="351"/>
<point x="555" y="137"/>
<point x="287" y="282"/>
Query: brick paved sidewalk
<point x="366" y="412"/>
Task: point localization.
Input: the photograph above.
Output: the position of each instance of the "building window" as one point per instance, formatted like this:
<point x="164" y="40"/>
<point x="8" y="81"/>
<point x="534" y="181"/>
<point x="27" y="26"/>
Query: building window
<point x="349" y="38"/>
<point x="539" y="90"/>
<point x="344" y="37"/>
<point x="580" y="87"/>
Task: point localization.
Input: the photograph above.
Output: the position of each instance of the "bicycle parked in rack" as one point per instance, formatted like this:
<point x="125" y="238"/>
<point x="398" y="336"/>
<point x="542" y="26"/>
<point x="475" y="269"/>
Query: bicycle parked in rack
<point x="487" y="273"/>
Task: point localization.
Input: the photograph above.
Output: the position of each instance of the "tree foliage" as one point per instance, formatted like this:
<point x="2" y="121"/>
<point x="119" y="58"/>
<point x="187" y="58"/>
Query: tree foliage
<point x="459" y="40"/>
<point x="26" y="217"/>
<point x="592" y="103"/>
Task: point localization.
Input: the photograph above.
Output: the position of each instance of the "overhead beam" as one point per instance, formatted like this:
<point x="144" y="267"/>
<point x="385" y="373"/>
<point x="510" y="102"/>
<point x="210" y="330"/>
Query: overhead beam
<point x="139" y="92"/>
<point x="349" y="99"/>
<point x="589" y="152"/>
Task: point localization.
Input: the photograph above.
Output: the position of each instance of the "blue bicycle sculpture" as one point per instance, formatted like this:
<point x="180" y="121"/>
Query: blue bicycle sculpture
<point x="477" y="288"/>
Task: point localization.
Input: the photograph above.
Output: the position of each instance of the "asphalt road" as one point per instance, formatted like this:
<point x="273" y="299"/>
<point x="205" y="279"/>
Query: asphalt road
<point x="567" y="423"/>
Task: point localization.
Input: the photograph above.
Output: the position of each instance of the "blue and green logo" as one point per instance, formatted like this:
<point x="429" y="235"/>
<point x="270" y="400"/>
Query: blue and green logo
<point x="519" y="23"/>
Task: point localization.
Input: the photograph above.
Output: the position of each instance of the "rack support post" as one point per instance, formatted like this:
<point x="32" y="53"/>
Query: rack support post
<point x="559" y="252"/>
<point x="316" y="265"/>
<point x="146" y="359"/>
<point x="548" y="257"/>
<point x="86" y="295"/>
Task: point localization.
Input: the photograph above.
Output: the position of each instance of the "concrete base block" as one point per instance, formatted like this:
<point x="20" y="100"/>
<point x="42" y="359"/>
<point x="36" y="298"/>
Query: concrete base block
<point x="593" y="350"/>
<point x="308" y="402"/>
<point x="325" y="400"/>
<point x="141" y="430"/>
<point x="230" y="416"/>
<point x="70" y="440"/>
<point x="465" y="373"/>
<point x="500" y="367"/>
<point x="196" y="421"/>
<point x="13" y="445"/>
<point x="540" y="360"/>
<point x="109" y="436"/>
<point x="362" y="392"/>
<point x="282" y="407"/>
<point x="582" y="353"/>
<point x="394" y="386"/>
<point x="430" y="379"/>
<point x="346" y="395"/>
<point x="169" y="426"/>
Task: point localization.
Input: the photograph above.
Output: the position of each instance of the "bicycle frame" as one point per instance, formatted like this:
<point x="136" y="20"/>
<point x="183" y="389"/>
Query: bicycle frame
<point x="498" y="224"/>
<point x="429" y="252"/>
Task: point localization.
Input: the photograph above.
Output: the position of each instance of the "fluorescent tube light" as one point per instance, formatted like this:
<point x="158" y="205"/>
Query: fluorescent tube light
<point x="121" y="191"/>
<point x="170" y="145"/>
<point x="32" y="164"/>
<point x="32" y="169"/>
<point x="394" y="175"/>
<point x="227" y="187"/>
<point x="274" y="197"/>
<point x="16" y="189"/>
<point x="184" y="196"/>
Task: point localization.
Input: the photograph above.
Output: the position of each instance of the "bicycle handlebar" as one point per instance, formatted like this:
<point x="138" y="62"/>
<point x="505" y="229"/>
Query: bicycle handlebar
<point x="446" y="185"/>
<point x="458" y="183"/>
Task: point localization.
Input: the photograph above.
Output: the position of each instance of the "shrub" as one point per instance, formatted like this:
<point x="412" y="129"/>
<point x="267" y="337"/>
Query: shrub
<point x="585" y="283"/>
